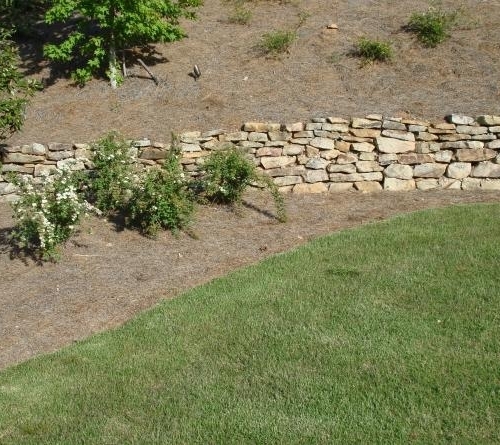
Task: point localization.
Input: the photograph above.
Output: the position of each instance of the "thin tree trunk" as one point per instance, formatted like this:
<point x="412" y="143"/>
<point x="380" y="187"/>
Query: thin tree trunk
<point x="112" y="66"/>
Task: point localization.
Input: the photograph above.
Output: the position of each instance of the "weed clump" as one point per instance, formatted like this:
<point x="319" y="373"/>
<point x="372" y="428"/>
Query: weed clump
<point x="277" y="42"/>
<point x="433" y="26"/>
<point x="373" y="50"/>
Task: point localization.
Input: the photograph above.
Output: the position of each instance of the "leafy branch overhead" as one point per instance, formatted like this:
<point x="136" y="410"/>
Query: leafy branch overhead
<point x="99" y="29"/>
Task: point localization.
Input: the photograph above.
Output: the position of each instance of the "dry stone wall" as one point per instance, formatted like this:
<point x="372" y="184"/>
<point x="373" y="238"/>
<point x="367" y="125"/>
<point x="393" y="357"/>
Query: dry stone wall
<point x="325" y="155"/>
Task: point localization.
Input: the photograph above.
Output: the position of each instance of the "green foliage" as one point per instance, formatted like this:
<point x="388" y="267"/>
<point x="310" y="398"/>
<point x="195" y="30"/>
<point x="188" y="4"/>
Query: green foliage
<point x="277" y="42"/>
<point x="104" y="27"/>
<point x="162" y="199"/>
<point x="227" y="175"/>
<point x="373" y="50"/>
<point x="46" y="215"/>
<point x="110" y="183"/>
<point x="433" y="26"/>
<point x="14" y="88"/>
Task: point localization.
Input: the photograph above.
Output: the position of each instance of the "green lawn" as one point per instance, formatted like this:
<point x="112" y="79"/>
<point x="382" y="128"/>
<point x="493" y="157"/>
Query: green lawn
<point x="389" y="333"/>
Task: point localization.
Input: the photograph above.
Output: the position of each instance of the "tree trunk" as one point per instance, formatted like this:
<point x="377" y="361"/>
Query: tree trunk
<point x="113" y="72"/>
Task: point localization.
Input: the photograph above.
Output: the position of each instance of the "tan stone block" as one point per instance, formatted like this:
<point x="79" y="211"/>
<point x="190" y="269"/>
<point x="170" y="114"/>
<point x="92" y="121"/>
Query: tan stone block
<point x="318" y="187"/>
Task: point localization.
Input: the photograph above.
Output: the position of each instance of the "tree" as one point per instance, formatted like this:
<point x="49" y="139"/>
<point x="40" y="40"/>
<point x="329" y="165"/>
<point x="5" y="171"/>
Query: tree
<point x="14" y="88"/>
<point x="106" y="26"/>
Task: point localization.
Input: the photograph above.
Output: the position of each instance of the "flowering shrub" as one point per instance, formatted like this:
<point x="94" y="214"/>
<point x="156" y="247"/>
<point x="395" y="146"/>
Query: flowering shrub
<point x="46" y="215"/>
<point x="110" y="183"/>
<point x="227" y="175"/>
<point x="161" y="199"/>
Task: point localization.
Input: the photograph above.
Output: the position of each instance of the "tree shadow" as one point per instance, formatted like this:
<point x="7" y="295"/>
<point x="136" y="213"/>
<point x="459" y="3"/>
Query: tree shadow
<point x="15" y="252"/>
<point x="264" y="212"/>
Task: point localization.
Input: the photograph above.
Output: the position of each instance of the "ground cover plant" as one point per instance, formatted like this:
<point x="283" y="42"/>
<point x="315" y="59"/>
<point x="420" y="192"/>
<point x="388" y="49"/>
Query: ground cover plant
<point x="433" y="26"/>
<point x="383" y="334"/>
<point x="373" y="50"/>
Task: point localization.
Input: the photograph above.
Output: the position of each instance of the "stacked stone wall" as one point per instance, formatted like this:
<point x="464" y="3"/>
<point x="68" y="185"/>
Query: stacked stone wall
<point x="325" y="155"/>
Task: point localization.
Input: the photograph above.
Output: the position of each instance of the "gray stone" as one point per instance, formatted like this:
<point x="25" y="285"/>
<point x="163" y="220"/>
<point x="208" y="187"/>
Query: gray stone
<point x="484" y="137"/>
<point x="234" y="136"/>
<point x="6" y="188"/>
<point x="417" y="128"/>
<point x="295" y="126"/>
<point x="304" y="134"/>
<point x="460" y="119"/>
<point x="319" y="119"/>
<point x="280" y="135"/>
<point x="389" y="145"/>
<point x="293" y="149"/>
<point x="282" y="181"/>
<point x="443" y="156"/>
<point x="316" y="176"/>
<point x="363" y="147"/>
<point x="427" y="184"/>
<point x="337" y="120"/>
<point x="323" y="143"/>
<point x="397" y="134"/>
<point x="429" y="170"/>
<point x="300" y="141"/>
<point x="140" y="143"/>
<point x="84" y="153"/>
<point x="338" y="128"/>
<point x="365" y="123"/>
<point x="37" y="149"/>
<point x="275" y="143"/>
<point x="486" y="170"/>
<point x="475" y="154"/>
<point x="191" y="147"/>
<point x="363" y="156"/>
<point x="398" y="171"/>
<point x="387" y="158"/>
<point x="493" y="144"/>
<point x="427" y="147"/>
<point x="311" y="126"/>
<point x="329" y="154"/>
<point x="60" y="155"/>
<point x="257" y="137"/>
<point x="341" y="168"/>
<point x="368" y="166"/>
<point x="459" y="170"/>
<point x="466" y="129"/>
<point x="365" y="133"/>
<point x="296" y="170"/>
<point x="454" y="137"/>
<point x="212" y="133"/>
<point x="471" y="184"/>
<point x="393" y="125"/>
<point x="426" y="137"/>
<point x="44" y="170"/>
<point x="71" y="164"/>
<point x="325" y="134"/>
<point x="276" y="162"/>
<point x="317" y="163"/>
<point x="488" y="120"/>
<point x="21" y="158"/>
<point x="394" y="184"/>
<point x="17" y="168"/>
<point x="448" y="183"/>
<point x="494" y="129"/>
<point x="56" y="146"/>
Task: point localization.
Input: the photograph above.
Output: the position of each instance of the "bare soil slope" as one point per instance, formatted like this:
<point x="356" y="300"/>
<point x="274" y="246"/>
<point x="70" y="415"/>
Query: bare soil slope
<point x="317" y="77"/>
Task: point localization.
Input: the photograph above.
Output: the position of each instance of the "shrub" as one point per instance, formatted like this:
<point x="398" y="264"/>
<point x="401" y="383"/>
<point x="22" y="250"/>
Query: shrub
<point x="372" y="50"/>
<point x="277" y="42"/>
<point x="432" y="27"/>
<point x="46" y="215"/>
<point x="161" y="200"/>
<point x="110" y="183"/>
<point x="228" y="173"/>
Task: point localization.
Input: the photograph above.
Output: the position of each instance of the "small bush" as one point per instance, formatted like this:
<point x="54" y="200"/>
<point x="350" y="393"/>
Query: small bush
<point x="432" y="27"/>
<point x="277" y="42"/>
<point x="373" y="50"/>
<point x="110" y="183"/>
<point x="161" y="200"/>
<point x="46" y="215"/>
<point x="227" y="175"/>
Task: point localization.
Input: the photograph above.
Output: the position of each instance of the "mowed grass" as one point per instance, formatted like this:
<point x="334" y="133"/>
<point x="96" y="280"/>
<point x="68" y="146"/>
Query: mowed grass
<point x="388" y="333"/>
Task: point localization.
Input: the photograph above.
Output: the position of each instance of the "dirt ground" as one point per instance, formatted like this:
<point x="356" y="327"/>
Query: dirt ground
<point x="105" y="276"/>
<point x="317" y="77"/>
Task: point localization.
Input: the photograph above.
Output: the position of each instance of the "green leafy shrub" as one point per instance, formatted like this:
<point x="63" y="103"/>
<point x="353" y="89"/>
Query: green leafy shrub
<point x="162" y="199"/>
<point x="228" y="173"/>
<point x="433" y="26"/>
<point x="110" y="183"/>
<point x="373" y="50"/>
<point x="14" y="88"/>
<point x="277" y="42"/>
<point x="46" y="215"/>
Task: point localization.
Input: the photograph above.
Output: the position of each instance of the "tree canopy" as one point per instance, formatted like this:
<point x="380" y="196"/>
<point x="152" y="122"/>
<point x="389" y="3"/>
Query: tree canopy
<point x="101" y="28"/>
